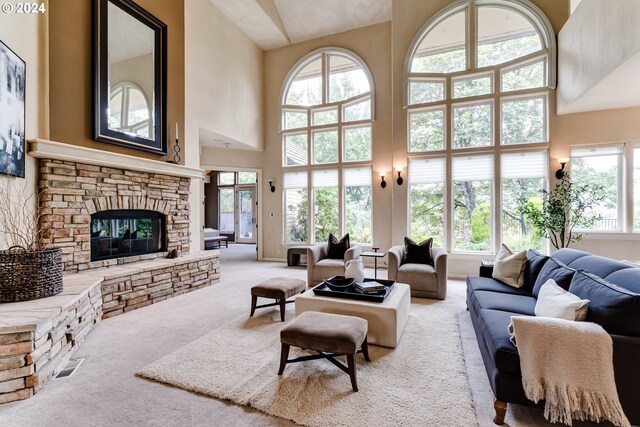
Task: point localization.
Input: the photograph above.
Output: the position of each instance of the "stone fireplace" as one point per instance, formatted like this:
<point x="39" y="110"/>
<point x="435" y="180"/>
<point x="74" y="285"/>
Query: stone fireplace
<point x="80" y="190"/>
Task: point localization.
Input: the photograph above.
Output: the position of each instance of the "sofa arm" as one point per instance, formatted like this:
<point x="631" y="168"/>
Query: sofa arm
<point x="439" y="256"/>
<point x="315" y="253"/>
<point x="395" y="254"/>
<point x="353" y="253"/>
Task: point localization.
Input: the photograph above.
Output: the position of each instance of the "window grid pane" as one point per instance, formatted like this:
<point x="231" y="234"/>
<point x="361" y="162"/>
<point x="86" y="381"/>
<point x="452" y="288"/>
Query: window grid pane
<point x="357" y="111"/>
<point x="325" y="117"/>
<point x="472" y="209"/>
<point x="358" y="203"/>
<point x="346" y="79"/>
<point x="226" y="178"/>
<point x="295" y="119"/>
<point x="296" y="215"/>
<point x="523" y="121"/>
<point x="325" y="147"/>
<point x="426" y="130"/>
<point x="422" y="91"/>
<point x="226" y="210"/>
<point x="296" y="150"/>
<point x="527" y="77"/>
<point x="475" y="86"/>
<point x="601" y="174"/>
<point x="443" y="49"/>
<point x="472" y="126"/>
<point x="357" y="143"/>
<point x="426" y="199"/>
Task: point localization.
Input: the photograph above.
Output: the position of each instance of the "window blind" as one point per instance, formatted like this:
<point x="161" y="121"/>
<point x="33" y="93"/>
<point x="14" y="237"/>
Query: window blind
<point x="593" y="151"/>
<point x="325" y="178"/>
<point x="427" y="171"/>
<point x="354" y="177"/>
<point x="524" y="165"/>
<point x="295" y="179"/>
<point x="472" y="168"/>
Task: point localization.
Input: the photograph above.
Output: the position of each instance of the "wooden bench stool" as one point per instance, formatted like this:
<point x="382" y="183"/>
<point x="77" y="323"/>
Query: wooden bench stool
<point x="277" y="288"/>
<point x="328" y="334"/>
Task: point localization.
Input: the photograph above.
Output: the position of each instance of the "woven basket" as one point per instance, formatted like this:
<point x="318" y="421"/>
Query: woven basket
<point x="28" y="275"/>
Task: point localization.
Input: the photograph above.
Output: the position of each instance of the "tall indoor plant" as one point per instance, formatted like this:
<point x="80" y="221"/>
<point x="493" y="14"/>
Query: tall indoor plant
<point x="29" y="269"/>
<point x="564" y="209"/>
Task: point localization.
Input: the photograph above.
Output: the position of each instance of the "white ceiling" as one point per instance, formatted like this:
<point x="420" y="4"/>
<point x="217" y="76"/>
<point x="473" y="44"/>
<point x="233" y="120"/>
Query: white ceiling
<point x="277" y="23"/>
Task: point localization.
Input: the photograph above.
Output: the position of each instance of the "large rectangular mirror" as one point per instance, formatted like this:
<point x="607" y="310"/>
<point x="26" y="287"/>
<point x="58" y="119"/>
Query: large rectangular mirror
<point x="130" y="82"/>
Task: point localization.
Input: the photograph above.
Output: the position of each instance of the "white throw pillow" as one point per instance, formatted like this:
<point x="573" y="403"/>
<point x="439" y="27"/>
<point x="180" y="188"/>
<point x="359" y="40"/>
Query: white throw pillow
<point x="553" y="301"/>
<point x="509" y="267"/>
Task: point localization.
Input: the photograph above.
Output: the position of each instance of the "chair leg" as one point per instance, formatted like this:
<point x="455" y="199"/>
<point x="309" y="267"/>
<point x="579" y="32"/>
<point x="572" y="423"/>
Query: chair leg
<point x="283" y="304"/>
<point x="501" y="410"/>
<point x="351" y="365"/>
<point x="284" y="355"/>
<point x="254" y="301"/>
<point x="365" y="350"/>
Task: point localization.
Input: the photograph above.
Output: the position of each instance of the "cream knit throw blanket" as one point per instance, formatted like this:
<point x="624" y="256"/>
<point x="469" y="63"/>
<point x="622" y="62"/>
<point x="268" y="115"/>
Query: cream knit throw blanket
<point x="570" y="366"/>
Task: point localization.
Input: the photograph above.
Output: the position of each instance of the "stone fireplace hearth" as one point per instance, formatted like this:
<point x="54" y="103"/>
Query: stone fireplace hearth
<point x="71" y="192"/>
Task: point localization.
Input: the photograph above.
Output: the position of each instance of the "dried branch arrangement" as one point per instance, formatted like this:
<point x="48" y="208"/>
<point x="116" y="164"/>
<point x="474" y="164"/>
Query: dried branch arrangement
<point x="19" y="216"/>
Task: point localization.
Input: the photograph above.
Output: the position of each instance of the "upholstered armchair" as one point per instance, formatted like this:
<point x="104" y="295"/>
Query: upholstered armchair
<point x="426" y="281"/>
<point x="319" y="267"/>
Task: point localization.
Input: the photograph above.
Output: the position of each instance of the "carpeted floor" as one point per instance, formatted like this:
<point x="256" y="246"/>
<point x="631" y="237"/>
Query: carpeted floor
<point x="422" y="382"/>
<point x="105" y="391"/>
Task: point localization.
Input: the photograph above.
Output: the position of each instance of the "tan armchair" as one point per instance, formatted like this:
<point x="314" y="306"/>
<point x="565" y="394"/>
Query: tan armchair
<point x="425" y="281"/>
<point x="319" y="267"/>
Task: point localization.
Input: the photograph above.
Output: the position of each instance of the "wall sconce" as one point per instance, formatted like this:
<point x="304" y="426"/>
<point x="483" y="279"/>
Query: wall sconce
<point x="399" y="180"/>
<point x="383" y="183"/>
<point x="271" y="186"/>
<point x="560" y="172"/>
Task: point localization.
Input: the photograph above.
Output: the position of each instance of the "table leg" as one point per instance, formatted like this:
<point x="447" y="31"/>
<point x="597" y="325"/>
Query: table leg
<point x="375" y="268"/>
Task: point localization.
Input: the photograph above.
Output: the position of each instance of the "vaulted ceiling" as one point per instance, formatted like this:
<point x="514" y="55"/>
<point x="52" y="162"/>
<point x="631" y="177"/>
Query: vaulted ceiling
<point x="277" y="23"/>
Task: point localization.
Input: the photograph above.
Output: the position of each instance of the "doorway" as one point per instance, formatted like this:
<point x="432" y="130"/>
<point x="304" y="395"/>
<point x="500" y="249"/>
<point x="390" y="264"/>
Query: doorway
<point x="245" y="212"/>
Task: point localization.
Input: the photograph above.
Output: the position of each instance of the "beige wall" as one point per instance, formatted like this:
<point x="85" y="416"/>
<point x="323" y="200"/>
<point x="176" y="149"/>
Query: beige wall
<point x="26" y="36"/>
<point x="224" y="77"/>
<point x="70" y="77"/>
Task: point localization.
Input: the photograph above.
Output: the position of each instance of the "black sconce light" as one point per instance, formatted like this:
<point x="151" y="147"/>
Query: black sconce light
<point x="271" y="186"/>
<point x="560" y="172"/>
<point x="383" y="184"/>
<point x="399" y="180"/>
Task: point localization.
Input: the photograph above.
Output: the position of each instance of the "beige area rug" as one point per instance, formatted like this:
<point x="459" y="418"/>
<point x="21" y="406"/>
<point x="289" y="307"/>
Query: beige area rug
<point x="421" y="382"/>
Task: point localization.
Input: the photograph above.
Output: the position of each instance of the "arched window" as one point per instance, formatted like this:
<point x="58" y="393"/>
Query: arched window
<point x="477" y="79"/>
<point x="327" y="108"/>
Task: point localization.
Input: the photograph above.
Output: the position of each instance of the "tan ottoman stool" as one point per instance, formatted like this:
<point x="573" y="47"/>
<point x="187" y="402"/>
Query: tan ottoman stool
<point x="277" y="288"/>
<point x="328" y="334"/>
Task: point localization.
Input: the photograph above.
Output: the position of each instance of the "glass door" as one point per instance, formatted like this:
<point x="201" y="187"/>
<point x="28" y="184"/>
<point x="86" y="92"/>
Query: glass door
<point x="246" y="213"/>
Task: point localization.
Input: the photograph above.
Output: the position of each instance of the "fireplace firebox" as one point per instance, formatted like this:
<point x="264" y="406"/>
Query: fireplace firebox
<point x="128" y="232"/>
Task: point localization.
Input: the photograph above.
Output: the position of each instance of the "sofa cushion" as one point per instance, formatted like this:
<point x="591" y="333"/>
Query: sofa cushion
<point x="421" y="277"/>
<point x="327" y="268"/>
<point x="535" y="262"/>
<point x="476" y="283"/>
<point x="553" y="301"/>
<point x="628" y="278"/>
<point x="567" y="255"/>
<point x="417" y="253"/>
<point x="614" y="308"/>
<point x="493" y="328"/>
<point x="520" y="304"/>
<point x="509" y="267"/>
<point x="556" y="270"/>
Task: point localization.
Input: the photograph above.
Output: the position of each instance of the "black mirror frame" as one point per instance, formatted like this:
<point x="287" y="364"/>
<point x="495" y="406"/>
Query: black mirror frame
<point x="101" y="131"/>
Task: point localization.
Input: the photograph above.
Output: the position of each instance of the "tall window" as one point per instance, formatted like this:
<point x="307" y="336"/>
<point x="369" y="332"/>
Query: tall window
<point x="478" y="78"/>
<point x="326" y="117"/>
<point x="601" y="167"/>
<point x="426" y="199"/>
<point x="636" y="188"/>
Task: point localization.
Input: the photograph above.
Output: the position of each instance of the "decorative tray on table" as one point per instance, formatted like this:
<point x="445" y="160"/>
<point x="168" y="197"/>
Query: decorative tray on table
<point x="350" y="292"/>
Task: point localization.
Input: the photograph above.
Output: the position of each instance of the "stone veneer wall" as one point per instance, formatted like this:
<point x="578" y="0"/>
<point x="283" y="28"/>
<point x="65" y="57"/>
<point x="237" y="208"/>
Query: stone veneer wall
<point x="71" y="192"/>
<point x="125" y="289"/>
<point x="30" y="354"/>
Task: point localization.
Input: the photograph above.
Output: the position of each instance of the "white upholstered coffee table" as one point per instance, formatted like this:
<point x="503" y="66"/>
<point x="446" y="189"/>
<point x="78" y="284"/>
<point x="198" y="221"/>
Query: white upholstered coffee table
<point x="386" y="319"/>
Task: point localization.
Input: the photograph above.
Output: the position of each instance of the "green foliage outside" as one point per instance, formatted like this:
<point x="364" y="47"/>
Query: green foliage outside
<point x="297" y="214"/>
<point x="358" y="206"/>
<point x="357" y="143"/>
<point x="472" y="126"/>
<point x="427" y="213"/>
<point x="523" y="121"/>
<point x="421" y="92"/>
<point x="481" y="223"/>
<point x="325" y="147"/>
<point x="563" y="210"/>
<point x="326" y="213"/>
<point x="426" y="130"/>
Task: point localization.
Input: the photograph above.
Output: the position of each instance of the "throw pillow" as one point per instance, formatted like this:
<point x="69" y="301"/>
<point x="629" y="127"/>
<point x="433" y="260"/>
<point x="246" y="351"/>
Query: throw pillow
<point x="535" y="262"/>
<point x="415" y="253"/>
<point x="614" y="308"/>
<point x="556" y="270"/>
<point x="337" y="248"/>
<point x="553" y="301"/>
<point x="509" y="267"/>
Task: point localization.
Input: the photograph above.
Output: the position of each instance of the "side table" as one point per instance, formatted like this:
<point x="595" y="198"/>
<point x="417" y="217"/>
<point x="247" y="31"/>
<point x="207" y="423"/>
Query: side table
<point x="375" y="255"/>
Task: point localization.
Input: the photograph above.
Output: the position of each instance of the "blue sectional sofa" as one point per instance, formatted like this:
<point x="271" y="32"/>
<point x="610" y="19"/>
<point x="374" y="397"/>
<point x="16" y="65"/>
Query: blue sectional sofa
<point x="613" y="288"/>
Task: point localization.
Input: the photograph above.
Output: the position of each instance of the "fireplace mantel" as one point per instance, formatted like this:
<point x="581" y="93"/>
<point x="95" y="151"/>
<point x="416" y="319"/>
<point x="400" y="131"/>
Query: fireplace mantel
<point x="45" y="149"/>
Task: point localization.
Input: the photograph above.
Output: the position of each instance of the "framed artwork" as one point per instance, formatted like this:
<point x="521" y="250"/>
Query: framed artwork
<point x="12" y="112"/>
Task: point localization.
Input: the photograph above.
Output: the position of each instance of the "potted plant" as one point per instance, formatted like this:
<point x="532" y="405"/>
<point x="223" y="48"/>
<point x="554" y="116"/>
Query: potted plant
<point x="563" y="209"/>
<point x="29" y="269"/>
